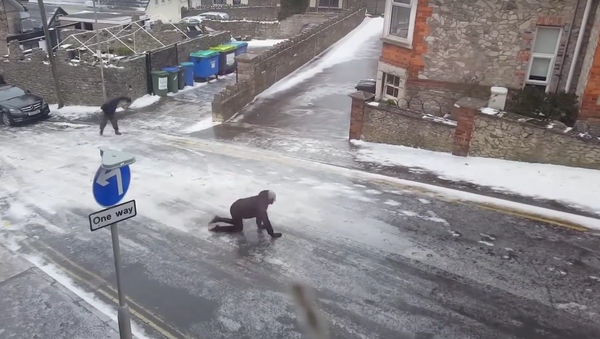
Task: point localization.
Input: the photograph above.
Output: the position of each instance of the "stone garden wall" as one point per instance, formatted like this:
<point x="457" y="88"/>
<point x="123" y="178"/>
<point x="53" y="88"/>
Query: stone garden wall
<point x="80" y="80"/>
<point x="269" y="29"/>
<point x="258" y="13"/>
<point x="501" y="135"/>
<point x="507" y="138"/>
<point x="389" y="125"/>
<point x="259" y="72"/>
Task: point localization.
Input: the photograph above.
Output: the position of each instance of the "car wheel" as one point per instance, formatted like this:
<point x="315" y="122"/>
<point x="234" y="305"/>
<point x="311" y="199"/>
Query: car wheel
<point x="6" y="119"/>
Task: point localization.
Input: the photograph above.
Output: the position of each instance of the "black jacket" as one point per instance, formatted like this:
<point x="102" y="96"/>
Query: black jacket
<point x="110" y="107"/>
<point x="253" y="207"/>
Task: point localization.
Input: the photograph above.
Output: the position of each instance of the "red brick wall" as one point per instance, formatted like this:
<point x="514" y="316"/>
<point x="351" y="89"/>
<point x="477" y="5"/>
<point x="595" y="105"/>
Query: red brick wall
<point x="589" y="100"/>
<point x="407" y="58"/>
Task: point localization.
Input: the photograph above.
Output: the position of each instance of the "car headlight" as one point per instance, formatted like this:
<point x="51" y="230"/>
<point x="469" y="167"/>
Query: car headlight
<point x="15" y="111"/>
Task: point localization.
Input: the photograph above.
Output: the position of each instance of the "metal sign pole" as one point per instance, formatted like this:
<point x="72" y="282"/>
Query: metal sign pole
<point x="110" y="185"/>
<point x="98" y="52"/>
<point x="123" y="311"/>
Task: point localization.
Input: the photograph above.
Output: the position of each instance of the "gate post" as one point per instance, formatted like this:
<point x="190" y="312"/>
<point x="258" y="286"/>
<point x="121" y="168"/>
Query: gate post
<point x="466" y="110"/>
<point x="357" y="113"/>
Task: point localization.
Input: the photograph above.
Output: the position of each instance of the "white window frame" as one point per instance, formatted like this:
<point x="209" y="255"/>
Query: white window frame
<point x="389" y="4"/>
<point x="551" y="57"/>
<point x="385" y="84"/>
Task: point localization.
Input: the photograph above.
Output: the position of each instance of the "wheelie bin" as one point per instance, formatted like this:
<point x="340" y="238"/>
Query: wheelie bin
<point x="188" y="73"/>
<point x="242" y="46"/>
<point x="206" y="64"/>
<point x="160" y="82"/>
<point x="227" y="63"/>
<point x="173" y="82"/>
<point x="180" y="77"/>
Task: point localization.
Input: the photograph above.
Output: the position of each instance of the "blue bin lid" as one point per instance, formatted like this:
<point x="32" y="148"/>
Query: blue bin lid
<point x="187" y="64"/>
<point x="171" y="69"/>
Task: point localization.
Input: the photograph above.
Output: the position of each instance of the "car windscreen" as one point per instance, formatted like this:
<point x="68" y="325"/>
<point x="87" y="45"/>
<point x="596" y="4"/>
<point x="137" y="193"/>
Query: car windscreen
<point x="10" y="92"/>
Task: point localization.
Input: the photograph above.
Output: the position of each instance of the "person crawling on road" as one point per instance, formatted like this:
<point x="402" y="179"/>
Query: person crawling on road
<point x="108" y="109"/>
<point x="248" y="208"/>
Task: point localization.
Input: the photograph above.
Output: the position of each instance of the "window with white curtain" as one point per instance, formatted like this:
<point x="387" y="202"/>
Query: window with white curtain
<point x="543" y="55"/>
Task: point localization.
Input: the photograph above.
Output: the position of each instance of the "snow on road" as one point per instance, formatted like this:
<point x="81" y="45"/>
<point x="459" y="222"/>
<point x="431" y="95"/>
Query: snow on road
<point x="74" y="111"/>
<point x="264" y="43"/>
<point x="348" y="48"/>
<point x="576" y="187"/>
<point x="54" y="174"/>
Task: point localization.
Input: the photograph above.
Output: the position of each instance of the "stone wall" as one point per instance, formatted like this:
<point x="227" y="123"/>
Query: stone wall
<point x="488" y="39"/>
<point x="269" y="29"/>
<point x="483" y="42"/>
<point x="259" y="72"/>
<point x="501" y="135"/>
<point x="80" y="81"/>
<point x="259" y="29"/>
<point x="391" y="125"/>
<point x="496" y="137"/>
<point x="263" y="13"/>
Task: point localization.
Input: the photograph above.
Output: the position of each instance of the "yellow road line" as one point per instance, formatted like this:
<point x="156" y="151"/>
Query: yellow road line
<point x="504" y="210"/>
<point x="166" y="333"/>
<point x="557" y="222"/>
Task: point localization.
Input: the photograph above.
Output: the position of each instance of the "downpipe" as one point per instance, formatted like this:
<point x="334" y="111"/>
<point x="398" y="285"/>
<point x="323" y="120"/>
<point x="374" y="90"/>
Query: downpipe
<point x="586" y="16"/>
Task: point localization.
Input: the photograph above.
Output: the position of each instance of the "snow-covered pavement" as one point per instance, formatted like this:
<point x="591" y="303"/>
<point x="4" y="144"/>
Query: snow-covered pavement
<point x="575" y="187"/>
<point x="34" y="305"/>
<point x="385" y="259"/>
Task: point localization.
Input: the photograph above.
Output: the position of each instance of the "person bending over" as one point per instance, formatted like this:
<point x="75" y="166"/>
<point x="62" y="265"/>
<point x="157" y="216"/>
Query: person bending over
<point x="109" y="109"/>
<point x="248" y="208"/>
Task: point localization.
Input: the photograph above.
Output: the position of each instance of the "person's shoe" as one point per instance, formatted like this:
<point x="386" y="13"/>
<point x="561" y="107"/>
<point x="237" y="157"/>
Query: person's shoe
<point x="214" y="220"/>
<point x="118" y="133"/>
<point x="101" y="132"/>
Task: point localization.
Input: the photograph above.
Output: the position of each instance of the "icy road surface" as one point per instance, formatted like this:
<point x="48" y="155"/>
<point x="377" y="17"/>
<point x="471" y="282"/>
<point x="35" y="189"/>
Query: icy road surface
<point x="386" y="262"/>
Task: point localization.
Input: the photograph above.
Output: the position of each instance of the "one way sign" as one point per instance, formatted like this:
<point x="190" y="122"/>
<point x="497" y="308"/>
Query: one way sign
<point x="112" y="215"/>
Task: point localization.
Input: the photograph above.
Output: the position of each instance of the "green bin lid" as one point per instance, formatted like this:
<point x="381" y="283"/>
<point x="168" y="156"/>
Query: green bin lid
<point x="224" y="48"/>
<point x="187" y="64"/>
<point x="160" y="73"/>
<point x="204" y="54"/>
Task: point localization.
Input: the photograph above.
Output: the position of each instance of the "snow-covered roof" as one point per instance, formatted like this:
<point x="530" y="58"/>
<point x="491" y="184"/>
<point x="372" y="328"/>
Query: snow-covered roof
<point x="132" y="5"/>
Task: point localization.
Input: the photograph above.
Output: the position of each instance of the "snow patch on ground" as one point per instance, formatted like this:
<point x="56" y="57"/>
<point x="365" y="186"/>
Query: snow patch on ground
<point x="391" y="202"/>
<point x="144" y="101"/>
<point x="201" y="125"/>
<point x="576" y="187"/>
<point x="342" y="51"/>
<point x="264" y="43"/>
<point x="74" y="111"/>
<point x="56" y="274"/>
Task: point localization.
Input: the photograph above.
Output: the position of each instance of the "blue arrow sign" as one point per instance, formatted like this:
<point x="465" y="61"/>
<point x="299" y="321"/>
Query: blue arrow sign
<point x="110" y="186"/>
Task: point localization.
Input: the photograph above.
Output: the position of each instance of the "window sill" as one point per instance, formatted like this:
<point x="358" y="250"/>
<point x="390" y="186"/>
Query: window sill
<point x="396" y="42"/>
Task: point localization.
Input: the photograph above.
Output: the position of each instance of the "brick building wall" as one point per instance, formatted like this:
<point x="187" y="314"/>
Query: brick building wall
<point x="463" y="47"/>
<point x="588" y="86"/>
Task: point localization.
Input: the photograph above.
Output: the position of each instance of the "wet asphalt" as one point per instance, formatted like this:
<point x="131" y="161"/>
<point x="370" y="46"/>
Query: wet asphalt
<point x="387" y="263"/>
